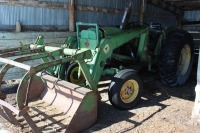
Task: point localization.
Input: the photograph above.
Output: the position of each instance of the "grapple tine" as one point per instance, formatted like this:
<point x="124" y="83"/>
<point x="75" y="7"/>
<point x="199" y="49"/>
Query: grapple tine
<point x="7" y="111"/>
<point x="14" y="63"/>
<point x="11" y="117"/>
<point x="19" y="53"/>
<point x="2" y="73"/>
<point x="4" y="115"/>
<point x="80" y="103"/>
<point x="24" y="47"/>
<point x="71" y="102"/>
<point x="4" y="112"/>
<point x="31" y="123"/>
<point x="68" y="103"/>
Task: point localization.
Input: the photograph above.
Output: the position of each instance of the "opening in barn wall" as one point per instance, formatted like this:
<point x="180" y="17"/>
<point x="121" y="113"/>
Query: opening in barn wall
<point x="192" y="25"/>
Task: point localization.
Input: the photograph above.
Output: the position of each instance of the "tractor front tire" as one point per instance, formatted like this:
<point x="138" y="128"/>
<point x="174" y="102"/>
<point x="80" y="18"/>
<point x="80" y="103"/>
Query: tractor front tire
<point x="125" y="89"/>
<point x="176" y="58"/>
<point x="72" y="74"/>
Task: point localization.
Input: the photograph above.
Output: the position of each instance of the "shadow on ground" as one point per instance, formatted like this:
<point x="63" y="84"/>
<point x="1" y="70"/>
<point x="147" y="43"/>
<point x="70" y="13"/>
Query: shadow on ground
<point x="154" y="93"/>
<point x="108" y="115"/>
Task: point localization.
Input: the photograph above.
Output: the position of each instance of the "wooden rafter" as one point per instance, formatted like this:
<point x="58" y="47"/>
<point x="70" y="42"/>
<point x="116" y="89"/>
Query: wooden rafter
<point x="166" y="5"/>
<point x="185" y="4"/>
<point x="175" y="6"/>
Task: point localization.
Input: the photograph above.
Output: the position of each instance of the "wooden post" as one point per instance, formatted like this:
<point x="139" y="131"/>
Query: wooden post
<point x="71" y="16"/>
<point x="179" y="19"/>
<point x="142" y="11"/>
<point x="196" y="108"/>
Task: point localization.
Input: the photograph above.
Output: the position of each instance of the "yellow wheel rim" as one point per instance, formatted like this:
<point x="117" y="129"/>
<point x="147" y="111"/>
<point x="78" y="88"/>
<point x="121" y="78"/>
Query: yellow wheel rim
<point x="74" y="78"/>
<point x="129" y="91"/>
<point x="184" y="60"/>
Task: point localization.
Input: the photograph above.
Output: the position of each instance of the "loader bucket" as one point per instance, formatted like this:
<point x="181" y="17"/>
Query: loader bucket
<point x="51" y="105"/>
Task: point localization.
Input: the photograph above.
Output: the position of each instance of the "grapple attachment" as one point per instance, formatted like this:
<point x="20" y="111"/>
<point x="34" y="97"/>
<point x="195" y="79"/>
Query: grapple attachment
<point x="46" y="103"/>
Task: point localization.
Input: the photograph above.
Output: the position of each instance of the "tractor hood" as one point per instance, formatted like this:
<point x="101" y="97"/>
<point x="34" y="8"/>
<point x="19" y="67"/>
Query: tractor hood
<point x="110" y="31"/>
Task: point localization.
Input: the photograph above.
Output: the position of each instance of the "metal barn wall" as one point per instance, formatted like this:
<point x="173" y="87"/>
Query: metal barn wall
<point x="194" y="29"/>
<point x="59" y="17"/>
<point x="161" y="16"/>
<point x="32" y="16"/>
<point x="106" y="19"/>
<point x="192" y="15"/>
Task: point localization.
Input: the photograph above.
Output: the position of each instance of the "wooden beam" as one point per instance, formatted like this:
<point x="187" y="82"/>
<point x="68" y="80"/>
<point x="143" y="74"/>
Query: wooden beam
<point x="157" y="15"/>
<point x="34" y="3"/>
<point x="185" y="5"/>
<point x="190" y="22"/>
<point x="71" y="16"/>
<point x="119" y="11"/>
<point x="11" y="28"/>
<point x="142" y="11"/>
<point x="182" y="1"/>
<point x="179" y="19"/>
<point x="190" y="8"/>
<point x="166" y="6"/>
<point x="99" y="9"/>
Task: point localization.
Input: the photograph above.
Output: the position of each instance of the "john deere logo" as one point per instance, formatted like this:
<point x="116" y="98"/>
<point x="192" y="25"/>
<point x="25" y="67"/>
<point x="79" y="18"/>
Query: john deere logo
<point x="106" y="48"/>
<point x="87" y="44"/>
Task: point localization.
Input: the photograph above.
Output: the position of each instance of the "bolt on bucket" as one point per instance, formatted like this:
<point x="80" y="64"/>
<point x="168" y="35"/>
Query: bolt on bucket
<point x="43" y="102"/>
<point x="52" y="106"/>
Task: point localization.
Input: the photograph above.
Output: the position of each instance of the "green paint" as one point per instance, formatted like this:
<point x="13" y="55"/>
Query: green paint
<point x="71" y="42"/>
<point x="89" y="102"/>
<point x="39" y="40"/>
<point x="91" y="48"/>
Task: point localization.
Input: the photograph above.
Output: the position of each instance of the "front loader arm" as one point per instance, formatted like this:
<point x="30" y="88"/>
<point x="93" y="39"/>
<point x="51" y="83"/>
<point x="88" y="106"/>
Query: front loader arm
<point x="109" y="44"/>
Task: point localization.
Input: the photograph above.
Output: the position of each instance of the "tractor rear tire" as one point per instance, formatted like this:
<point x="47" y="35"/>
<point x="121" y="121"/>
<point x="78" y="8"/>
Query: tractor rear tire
<point x="72" y="74"/>
<point x="125" y="89"/>
<point x="176" y="58"/>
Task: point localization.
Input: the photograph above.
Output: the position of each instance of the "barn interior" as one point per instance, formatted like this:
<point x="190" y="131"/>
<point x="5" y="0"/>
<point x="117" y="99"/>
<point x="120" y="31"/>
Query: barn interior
<point x="164" y="106"/>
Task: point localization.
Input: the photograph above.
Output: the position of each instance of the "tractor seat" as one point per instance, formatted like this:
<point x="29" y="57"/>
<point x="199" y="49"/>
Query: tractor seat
<point x="88" y="38"/>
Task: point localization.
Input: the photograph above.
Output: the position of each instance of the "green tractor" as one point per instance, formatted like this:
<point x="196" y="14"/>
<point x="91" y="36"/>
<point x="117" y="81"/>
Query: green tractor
<point x="123" y="52"/>
<point x="83" y="59"/>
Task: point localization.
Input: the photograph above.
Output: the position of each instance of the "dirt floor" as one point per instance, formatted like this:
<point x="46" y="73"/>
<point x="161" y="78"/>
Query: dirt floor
<point x="161" y="110"/>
